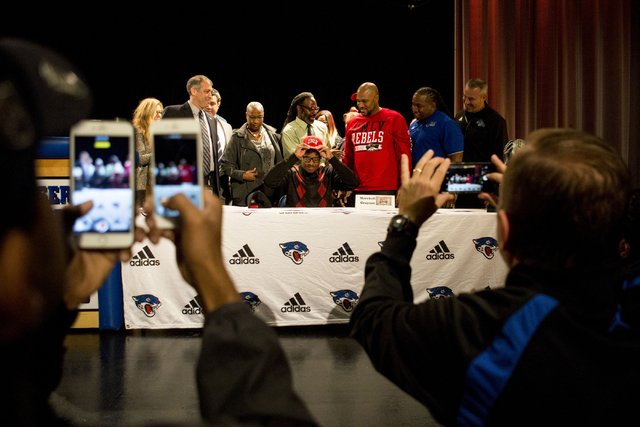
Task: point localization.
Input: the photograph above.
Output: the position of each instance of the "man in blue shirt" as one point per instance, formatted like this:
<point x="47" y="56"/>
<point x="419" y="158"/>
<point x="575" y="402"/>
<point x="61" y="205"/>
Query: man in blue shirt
<point x="433" y="127"/>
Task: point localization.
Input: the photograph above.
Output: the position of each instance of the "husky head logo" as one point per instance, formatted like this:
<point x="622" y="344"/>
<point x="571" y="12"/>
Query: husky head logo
<point x="295" y="251"/>
<point x="346" y="299"/>
<point x="148" y="304"/>
<point x="487" y="246"/>
<point x="440" y="292"/>
<point x="251" y="300"/>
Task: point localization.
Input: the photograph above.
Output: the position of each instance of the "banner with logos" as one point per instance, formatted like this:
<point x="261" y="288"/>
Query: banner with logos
<point x="306" y="266"/>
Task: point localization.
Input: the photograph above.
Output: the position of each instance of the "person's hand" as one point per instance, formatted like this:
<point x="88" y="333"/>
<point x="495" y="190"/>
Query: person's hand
<point x="419" y="196"/>
<point x="250" y="175"/>
<point x="341" y="196"/>
<point x="198" y="236"/>
<point x="325" y="152"/>
<point x="300" y="150"/>
<point x="501" y="168"/>
<point x="338" y="153"/>
<point x="87" y="270"/>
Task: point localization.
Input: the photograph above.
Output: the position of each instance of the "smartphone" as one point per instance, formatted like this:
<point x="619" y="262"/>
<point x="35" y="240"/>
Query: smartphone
<point x="101" y="157"/>
<point x="469" y="178"/>
<point x="176" y="161"/>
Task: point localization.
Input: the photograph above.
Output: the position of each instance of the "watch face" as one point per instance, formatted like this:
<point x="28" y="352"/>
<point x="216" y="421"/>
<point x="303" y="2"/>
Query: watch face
<point x="398" y="222"/>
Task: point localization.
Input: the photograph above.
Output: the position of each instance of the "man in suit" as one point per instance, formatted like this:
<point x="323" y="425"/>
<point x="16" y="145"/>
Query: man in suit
<point x="200" y="95"/>
<point x="223" y="128"/>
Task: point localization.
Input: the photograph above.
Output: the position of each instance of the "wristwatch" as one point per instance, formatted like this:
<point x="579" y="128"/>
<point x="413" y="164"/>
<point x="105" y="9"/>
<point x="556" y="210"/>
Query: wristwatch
<point x="402" y="223"/>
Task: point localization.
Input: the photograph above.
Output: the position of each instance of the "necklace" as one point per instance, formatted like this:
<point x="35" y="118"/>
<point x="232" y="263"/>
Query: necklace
<point x="258" y="136"/>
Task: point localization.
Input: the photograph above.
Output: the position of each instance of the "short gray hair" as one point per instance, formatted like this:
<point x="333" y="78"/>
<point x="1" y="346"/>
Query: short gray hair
<point x="478" y="83"/>
<point x="196" y="81"/>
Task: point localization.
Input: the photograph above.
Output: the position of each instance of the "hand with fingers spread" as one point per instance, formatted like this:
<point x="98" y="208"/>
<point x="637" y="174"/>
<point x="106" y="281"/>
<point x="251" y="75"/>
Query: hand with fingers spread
<point x="198" y="239"/>
<point x="501" y="168"/>
<point x="419" y="195"/>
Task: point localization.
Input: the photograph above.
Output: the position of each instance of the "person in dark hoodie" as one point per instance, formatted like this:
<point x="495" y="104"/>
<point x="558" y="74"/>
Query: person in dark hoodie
<point x="310" y="184"/>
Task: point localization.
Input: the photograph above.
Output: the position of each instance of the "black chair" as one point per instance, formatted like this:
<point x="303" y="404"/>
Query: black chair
<point x="258" y="199"/>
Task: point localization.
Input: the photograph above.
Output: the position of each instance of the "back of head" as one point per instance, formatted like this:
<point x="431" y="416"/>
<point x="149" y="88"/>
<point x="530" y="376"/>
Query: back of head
<point x="565" y="194"/>
<point x="41" y="94"/>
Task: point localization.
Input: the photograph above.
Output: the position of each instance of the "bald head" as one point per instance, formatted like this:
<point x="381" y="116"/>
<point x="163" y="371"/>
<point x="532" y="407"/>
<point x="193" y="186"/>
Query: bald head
<point x="255" y="116"/>
<point x="368" y="99"/>
<point x="368" y="87"/>
<point x="254" y="105"/>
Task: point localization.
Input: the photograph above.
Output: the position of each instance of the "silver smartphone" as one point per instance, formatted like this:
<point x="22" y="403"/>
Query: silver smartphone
<point x="102" y="170"/>
<point x="176" y="161"/>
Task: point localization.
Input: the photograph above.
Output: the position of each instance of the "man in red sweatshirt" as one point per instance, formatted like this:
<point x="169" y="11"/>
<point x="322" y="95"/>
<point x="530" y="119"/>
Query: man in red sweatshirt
<point x="374" y="142"/>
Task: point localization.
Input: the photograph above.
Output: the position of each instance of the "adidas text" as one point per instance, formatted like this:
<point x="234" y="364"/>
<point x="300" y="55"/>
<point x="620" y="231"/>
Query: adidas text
<point x="344" y="258"/>
<point x="144" y="262"/>
<point x="238" y="261"/>
<point x="295" y="309"/>
<point x="196" y="310"/>
<point x="439" y="256"/>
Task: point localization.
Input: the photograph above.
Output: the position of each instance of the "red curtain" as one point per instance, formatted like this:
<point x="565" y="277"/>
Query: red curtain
<point x="554" y="63"/>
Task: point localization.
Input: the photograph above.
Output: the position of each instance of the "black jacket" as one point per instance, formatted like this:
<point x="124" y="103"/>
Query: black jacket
<point x="485" y="133"/>
<point x="547" y="349"/>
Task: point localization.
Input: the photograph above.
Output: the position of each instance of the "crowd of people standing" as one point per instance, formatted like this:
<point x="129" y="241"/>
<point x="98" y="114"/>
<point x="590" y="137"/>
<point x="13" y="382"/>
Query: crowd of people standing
<point x="373" y="140"/>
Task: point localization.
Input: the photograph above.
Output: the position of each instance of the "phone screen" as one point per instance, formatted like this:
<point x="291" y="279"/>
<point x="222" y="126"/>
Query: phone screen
<point x="102" y="171"/>
<point x="468" y="178"/>
<point x="176" y="170"/>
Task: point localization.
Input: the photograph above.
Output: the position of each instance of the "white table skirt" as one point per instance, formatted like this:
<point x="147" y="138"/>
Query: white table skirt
<point x="319" y="279"/>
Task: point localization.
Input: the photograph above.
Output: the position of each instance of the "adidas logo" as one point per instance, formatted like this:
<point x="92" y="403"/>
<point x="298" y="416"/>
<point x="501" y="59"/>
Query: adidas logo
<point x="193" y="306"/>
<point x="295" y="305"/>
<point x="244" y="256"/>
<point x="144" y="258"/>
<point x="440" y="251"/>
<point x="344" y="254"/>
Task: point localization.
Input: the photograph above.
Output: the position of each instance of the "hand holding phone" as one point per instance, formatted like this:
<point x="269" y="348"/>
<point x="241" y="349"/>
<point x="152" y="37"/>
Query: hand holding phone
<point x="100" y="160"/>
<point x="176" y="162"/>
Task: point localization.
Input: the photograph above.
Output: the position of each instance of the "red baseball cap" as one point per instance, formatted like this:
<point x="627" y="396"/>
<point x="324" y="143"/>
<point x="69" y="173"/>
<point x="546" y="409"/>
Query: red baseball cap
<point x="313" y="142"/>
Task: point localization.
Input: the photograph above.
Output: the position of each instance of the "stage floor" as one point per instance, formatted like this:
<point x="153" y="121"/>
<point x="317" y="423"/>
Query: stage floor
<point x="145" y="377"/>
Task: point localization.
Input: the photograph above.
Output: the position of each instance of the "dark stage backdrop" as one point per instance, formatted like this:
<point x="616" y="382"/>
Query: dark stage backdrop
<point x="252" y="51"/>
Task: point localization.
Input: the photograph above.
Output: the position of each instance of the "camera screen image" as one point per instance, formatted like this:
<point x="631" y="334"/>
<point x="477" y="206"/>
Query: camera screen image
<point x="468" y="178"/>
<point x="102" y="171"/>
<point x="176" y="170"/>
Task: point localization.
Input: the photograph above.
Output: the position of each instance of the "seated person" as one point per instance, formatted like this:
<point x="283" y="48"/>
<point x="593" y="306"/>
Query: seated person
<point x="310" y="184"/>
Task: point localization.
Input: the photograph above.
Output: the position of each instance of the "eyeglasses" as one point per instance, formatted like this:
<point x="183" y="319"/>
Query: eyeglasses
<point x="256" y="117"/>
<point x="311" y="159"/>
<point x="316" y="109"/>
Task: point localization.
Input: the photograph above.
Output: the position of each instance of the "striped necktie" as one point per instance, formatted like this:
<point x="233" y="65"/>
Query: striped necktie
<point x="220" y="150"/>
<point x="206" y="151"/>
